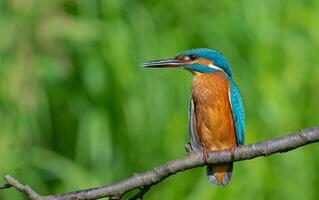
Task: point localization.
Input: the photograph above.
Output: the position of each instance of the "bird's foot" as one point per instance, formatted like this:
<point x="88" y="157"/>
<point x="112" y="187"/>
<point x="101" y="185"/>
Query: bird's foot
<point x="205" y="156"/>
<point x="232" y="151"/>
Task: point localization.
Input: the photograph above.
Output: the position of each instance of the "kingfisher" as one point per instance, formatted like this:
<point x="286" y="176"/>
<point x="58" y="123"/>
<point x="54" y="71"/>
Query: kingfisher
<point x="216" y="118"/>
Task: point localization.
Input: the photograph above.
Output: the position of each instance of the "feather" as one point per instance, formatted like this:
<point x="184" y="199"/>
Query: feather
<point x="237" y="112"/>
<point x="192" y="129"/>
<point x="220" y="175"/>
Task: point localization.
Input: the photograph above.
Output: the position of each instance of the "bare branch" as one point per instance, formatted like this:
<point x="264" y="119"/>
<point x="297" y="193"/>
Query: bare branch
<point x="146" y="180"/>
<point x="11" y="182"/>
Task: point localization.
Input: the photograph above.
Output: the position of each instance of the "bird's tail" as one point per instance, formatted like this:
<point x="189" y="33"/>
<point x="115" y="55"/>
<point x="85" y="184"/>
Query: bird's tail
<point x="219" y="175"/>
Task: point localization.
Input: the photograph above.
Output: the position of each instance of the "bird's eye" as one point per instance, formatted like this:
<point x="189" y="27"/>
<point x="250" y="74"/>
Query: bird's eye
<point x="190" y="57"/>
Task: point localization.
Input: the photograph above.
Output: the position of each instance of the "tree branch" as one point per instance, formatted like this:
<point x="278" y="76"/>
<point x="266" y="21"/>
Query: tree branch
<point x="146" y="180"/>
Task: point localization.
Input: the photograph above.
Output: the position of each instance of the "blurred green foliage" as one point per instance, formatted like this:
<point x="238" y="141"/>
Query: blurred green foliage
<point x="76" y="111"/>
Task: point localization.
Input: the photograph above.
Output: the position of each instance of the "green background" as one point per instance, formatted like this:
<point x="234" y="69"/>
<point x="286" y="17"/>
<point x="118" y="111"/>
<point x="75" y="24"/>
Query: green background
<point x="77" y="111"/>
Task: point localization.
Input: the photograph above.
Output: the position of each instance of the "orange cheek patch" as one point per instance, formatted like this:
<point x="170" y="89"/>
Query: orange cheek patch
<point x="180" y="57"/>
<point x="203" y="62"/>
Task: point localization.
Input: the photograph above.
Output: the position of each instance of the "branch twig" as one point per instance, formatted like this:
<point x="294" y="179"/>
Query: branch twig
<point x="146" y="180"/>
<point x="141" y="193"/>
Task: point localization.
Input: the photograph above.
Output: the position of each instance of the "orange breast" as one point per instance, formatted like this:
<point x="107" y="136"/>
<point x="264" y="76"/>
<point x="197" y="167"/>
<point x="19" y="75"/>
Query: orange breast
<point x="215" y="126"/>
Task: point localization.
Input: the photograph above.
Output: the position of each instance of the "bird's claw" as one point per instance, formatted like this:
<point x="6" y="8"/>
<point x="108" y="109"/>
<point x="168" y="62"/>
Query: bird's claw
<point x="232" y="151"/>
<point x="205" y="156"/>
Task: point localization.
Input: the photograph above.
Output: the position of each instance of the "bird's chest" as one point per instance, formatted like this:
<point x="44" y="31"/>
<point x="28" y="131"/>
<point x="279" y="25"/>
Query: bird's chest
<point x="210" y="93"/>
<point x="210" y="89"/>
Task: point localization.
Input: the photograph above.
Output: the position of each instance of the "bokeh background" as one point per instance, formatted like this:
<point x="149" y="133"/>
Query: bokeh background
<point x="77" y="111"/>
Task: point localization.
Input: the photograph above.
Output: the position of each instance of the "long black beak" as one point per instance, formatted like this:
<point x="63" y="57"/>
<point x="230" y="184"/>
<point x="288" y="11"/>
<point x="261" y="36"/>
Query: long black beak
<point x="170" y="62"/>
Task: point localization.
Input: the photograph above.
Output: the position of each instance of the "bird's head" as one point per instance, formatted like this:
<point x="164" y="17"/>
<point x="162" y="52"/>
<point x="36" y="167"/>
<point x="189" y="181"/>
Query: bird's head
<point x="199" y="60"/>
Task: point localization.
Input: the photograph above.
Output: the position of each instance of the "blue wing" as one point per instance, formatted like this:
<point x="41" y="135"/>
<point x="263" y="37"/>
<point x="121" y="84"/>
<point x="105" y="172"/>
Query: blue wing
<point x="238" y="112"/>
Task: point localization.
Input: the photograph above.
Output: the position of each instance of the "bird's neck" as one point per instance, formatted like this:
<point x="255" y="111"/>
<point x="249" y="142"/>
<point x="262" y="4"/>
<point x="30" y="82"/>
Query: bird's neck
<point x="209" y="76"/>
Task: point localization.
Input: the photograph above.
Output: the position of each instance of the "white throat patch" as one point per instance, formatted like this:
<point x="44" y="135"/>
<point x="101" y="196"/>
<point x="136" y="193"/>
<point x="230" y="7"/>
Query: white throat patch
<point x="215" y="67"/>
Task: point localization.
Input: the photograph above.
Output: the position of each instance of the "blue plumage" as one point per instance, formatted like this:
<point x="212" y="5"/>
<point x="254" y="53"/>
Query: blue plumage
<point x="218" y="59"/>
<point x="238" y="112"/>
<point x="200" y="68"/>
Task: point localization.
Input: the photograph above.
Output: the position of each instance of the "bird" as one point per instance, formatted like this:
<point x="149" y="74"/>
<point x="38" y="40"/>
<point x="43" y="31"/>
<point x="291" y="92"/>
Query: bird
<point x="216" y="119"/>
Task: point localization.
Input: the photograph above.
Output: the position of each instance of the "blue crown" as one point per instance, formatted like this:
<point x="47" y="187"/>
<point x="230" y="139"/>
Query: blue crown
<point x="217" y="58"/>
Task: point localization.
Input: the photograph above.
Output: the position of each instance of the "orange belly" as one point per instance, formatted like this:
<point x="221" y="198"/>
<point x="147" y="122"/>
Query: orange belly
<point x="215" y="126"/>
